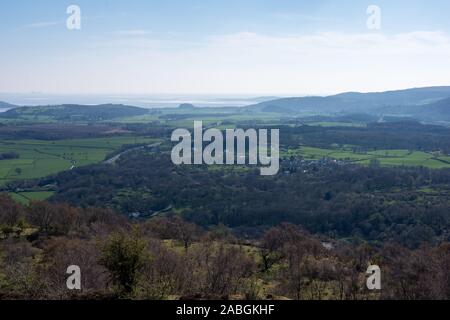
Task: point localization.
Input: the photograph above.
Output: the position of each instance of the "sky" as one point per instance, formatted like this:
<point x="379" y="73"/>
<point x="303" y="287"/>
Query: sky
<point x="254" y="47"/>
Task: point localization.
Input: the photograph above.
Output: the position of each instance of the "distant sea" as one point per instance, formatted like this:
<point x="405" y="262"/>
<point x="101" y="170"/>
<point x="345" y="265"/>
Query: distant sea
<point x="144" y="101"/>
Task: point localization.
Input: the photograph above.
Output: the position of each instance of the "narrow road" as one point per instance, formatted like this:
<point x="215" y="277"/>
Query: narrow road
<point x="117" y="157"/>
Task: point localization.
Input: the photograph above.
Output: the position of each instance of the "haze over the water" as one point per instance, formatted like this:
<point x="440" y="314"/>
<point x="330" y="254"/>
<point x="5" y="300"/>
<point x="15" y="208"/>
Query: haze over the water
<point x="145" y="101"/>
<point x="263" y="47"/>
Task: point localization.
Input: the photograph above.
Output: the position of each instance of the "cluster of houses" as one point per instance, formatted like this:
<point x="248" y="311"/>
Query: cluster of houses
<point x="294" y="164"/>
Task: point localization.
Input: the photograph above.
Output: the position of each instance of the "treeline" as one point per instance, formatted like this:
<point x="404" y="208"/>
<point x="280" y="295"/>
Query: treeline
<point x="9" y="156"/>
<point x="56" y="131"/>
<point x="407" y="135"/>
<point x="71" y="113"/>
<point x="405" y="205"/>
<point x="169" y="258"/>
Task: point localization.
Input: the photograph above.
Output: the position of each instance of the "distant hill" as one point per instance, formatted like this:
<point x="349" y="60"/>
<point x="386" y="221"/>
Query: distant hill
<point x="186" y="106"/>
<point x="70" y="112"/>
<point x="354" y="101"/>
<point x="5" y="105"/>
<point x="437" y="111"/>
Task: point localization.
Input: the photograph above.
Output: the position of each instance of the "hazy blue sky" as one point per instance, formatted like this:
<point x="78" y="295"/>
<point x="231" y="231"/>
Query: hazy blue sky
<point x="222" y="46"/>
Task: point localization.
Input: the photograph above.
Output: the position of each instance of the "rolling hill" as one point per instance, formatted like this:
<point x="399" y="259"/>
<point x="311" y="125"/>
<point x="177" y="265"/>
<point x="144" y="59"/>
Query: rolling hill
<point x="5" y="105"/>
<point x="376" y="102"/>
<point x="437" y="111"/>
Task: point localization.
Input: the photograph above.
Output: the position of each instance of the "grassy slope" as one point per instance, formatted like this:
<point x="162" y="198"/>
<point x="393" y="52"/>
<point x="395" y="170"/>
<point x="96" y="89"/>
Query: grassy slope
<point x="25" y="197"/>
<point x="41" y="158"/>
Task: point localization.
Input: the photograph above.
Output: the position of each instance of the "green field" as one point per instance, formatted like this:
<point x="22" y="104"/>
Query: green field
<point x="385" y="157"/>
<point x="207" y="115"/>
<point x="41" y="158"/>
<point x="336" y="124"/>
<point x="26" y="197"/>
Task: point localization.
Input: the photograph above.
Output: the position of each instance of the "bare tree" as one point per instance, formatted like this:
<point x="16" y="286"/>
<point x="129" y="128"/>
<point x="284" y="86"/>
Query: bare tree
<point x="10" y="211"/>
<point x="59" y="254"/>
<point x="174" y="228"/>
<point x="220" y="269"/>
